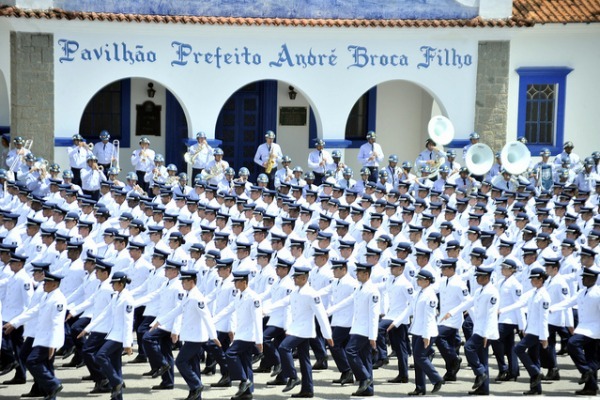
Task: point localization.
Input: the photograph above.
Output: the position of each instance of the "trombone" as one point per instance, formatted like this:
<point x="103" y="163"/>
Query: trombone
<point x="20" y="157"/>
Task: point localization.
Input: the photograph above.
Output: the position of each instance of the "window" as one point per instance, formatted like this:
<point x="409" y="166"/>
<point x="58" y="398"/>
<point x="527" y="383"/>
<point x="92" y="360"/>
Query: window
<point x="360" y="121"/>
<point x="108" y="110"/>
<point x="541" y="107"/>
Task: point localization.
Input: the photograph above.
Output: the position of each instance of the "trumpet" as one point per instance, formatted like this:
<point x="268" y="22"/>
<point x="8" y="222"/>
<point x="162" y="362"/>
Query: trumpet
<point x="100" y="168"/>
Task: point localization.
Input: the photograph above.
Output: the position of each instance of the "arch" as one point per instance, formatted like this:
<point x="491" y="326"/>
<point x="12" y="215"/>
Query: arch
<point x="403" y="109"/>
<point x="240" y="142"/>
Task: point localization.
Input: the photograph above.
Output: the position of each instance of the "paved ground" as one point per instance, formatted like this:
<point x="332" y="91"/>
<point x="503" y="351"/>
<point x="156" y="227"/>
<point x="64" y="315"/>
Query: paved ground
<point x="139" y="388"/>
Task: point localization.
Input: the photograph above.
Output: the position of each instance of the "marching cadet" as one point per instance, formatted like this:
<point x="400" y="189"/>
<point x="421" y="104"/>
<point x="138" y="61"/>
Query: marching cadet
<point x="49" y="315"/>
<point x="19" y="291"/>
<point x="363" y="333"/>
<point x="452" y="291"/>
<point x="119" y="314"/>
<point x="582" y="346"/>
<point x="263" y="280"/>
<point x="218" y="300"/>
<point x="558" y="322"/>
<point x="157" y="342"/>
<point x="148" y="294"/>
<point x="485" y="328"/>
<point x="509" y="323"/>
<point x="194" y="329"/>
<point x="401" y="295"/>
<point x="341" y="290"/>
<point x="424" y="331"/>
<point x="536" y="333"/>
<point x="278" y="313"/>
<point x="305" y="306"/>
<point x="247" y="333"/>
<point x="94" y="306"/>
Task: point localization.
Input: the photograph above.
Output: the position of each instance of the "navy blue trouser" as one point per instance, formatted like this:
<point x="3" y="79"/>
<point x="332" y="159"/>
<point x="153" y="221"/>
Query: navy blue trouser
<point x="340" y="336"/>
<point x="239" y="361"/>
<point x="584" y="353"/>
<point x="317" y="344"/>
<point x="446" y="344"/>
<point x="381" y="342"/>
<point x="423" y="366"/>
<point x="272" y="338"/>
<point x="138" y="318"/>
<point x="76" y="329"/>
<point x="11" y="350"/>
<point x="108" y="359"/>
<point x="287" y="361"/>
<point x="41" y="368"/>
<point x="141" y="331"/>
<point x="91" y="346"/>
<point x="528" y="351"/>
<point x="218" y="353"/>
<point x="503" y="347"/>
<point x="548" y="355"/>
<point x="157" y="344"/>
<point x="188" y="364"/>
<point x="401" y="345"/>
<point x="478" y="358"/>
<point x="359" y="355"/>
<point x="467" y="327"/>
<point x="25" y="351"/>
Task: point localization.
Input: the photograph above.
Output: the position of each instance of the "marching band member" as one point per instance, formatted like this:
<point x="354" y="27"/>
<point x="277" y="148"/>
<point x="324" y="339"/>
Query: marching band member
<point x="142" y="161"/>
<point x="370" y="155"/>
<point x="268" y="155"/>
<point x="200" y="154"/>
<point x="105" y="151"/>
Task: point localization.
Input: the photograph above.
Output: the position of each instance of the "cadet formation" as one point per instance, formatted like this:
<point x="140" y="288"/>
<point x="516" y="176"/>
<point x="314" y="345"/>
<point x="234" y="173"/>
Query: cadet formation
<point x="220" y="275"/>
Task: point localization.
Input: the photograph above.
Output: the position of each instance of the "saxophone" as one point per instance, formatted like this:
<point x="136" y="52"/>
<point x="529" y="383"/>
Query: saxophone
<point x="271" y="161"/>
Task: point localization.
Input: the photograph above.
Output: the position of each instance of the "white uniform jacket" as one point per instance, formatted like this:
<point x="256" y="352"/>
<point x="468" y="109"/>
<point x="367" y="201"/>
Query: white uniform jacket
<point x="485" y="313"/>
<point x="365" y="318"/>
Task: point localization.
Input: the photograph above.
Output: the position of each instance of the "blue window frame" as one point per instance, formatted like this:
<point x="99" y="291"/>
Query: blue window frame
<point x="541" y="114"/>
<point x="109" y="109"/>
<point x="360" y="121"/>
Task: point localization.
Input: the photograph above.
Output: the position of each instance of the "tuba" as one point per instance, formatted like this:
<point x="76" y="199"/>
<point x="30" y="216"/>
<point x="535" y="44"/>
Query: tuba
<point x="515" y="157"/>
<point x="479" y="159"/>
<point x="441" y="131"/>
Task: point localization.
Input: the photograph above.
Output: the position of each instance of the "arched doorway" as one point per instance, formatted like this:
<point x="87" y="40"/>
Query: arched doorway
<point x="243" y="120"/>
<point x="132" y="108"/>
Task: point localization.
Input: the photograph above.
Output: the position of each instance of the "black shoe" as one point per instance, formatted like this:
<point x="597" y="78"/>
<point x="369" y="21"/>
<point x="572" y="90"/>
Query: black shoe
<point x="223" y="382"/>
<point x="149" y="373"/>
<point x="14" y="381"/>
<point x="54" y="392"/>
<point x="163" y="387"/>
<point x="245" y="396"/>
<point x="195" y="394"/>
<point x="244" y="386"/>
<point x="161" y="370"/>
<point x="531" y="392"/>
<point x="380" y="363"/>
<point x="586" y="392"/>
<point x="276" y="370"/>
<point x="364" y="385"/>
<point x="138" y="360"/>
<point x="448" y="377"/>
<point x="87" y="378"/>
<point x="291" y="383"/>
<point x="399" y="379"/>
<point x="68" y="353"/>
<point x="347" y="377"/>
<point x="116" y="391"/>
<point x="501" y="376"/>
<point x="416" y="392"/>
<point x="101" y="387"/>
<point x="562" y="352"/>
<point x="552" y="375"/>
<point x="536" y="380"/>
<point x="437" y="386"/>
<point x="508" y="377"/>
<point x="34" y="392"/>
<point x="479" y="381"/>
<point x="257" y="357"/>
<point x="587" y="375"/>
<point x="9" y="368"/>
<point x="320" y="364"/>
<point x="478" y="392"/>
<point x="303" y="395"/>
<point x="210" y="369"/>
<point x="72" y="364"/>
<point x="277" y="382"/>
<point x="262" y="370"/>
